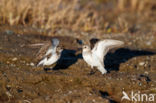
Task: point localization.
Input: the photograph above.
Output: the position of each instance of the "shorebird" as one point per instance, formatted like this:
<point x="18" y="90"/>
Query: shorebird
<point x="49" y="53"/>
<point x="95" y="56"/>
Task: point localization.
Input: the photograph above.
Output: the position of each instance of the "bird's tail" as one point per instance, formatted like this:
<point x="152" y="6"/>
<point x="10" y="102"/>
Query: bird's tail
<point x="36" y="45"/>
<point x="102" y="69"/>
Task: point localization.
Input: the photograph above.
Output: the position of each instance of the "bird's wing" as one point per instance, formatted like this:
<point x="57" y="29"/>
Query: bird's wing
<point x="48" y="48"/>
<point x="43" y="50"/>
<point x="103" y="46"/>
<point x="43" y="58"/>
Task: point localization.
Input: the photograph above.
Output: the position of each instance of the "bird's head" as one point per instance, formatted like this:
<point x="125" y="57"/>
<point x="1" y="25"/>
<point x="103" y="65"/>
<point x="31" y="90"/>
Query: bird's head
<point x="85" y="48"/>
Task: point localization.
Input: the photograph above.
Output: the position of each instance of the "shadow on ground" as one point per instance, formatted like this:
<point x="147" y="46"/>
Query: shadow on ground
<point x="113" y="60"/>
<point x="67" y="59"/>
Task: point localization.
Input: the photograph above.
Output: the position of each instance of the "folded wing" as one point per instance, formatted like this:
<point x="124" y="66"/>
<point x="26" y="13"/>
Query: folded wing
<point x="44" y="50"/>
<point x="49" y="48"/>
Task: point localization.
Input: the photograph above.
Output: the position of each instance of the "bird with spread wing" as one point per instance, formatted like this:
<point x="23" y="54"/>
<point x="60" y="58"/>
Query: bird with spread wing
<point x="95" y="56"/>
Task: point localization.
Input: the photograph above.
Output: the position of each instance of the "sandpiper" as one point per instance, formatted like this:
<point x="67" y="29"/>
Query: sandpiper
<point x="49" y="53"/>
<point x="95" y="56"/>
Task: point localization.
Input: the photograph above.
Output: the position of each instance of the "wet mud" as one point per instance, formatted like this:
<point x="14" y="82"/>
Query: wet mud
<point x="131" y="68"/>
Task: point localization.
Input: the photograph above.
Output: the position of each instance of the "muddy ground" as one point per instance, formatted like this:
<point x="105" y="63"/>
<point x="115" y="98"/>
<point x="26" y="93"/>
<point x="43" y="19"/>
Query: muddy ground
<point x="131" y="67"/>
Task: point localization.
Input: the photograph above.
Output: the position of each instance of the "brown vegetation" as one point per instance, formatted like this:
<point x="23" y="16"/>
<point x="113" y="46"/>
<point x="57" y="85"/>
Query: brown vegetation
<point x="84" y="15"/>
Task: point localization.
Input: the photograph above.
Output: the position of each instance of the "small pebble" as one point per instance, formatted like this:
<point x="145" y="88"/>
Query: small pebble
<point x="146" y="72"/>
<point x="14" y="59"/>
<point x="26" y="101"/>
<point x="142" y="63"/>
<point x="32" y="64"/>
<point x="94" y="100"/>
<point x="9" y="32"/>
<point x="8" y="62"/>
<point x="117" y="78"/>
<point x="140" y="84"/>
<point x="23" y="62"/>
<point x="148" y="43"/>
<point x="47" y="98"/>
<point x="13" y="65"/>
<point x="70" y="92"/>
<point x="90" y="94"/>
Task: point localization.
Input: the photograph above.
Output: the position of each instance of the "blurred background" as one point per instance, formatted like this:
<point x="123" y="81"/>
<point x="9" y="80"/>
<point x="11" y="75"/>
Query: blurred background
<point x="100" y="16"/>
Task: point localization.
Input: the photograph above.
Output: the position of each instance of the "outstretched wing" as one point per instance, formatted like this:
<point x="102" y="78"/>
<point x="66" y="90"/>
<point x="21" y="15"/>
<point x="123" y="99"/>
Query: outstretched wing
<point x="102" y="47"/>
<point x="43" y="50"/>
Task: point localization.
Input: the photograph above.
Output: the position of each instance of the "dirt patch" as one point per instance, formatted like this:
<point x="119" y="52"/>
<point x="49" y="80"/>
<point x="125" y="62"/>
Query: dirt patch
<point x="131" y="67"/>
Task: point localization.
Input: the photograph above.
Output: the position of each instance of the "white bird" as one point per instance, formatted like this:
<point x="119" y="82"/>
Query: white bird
<point x="94" y="57"/>
<point x="50" y="53"/>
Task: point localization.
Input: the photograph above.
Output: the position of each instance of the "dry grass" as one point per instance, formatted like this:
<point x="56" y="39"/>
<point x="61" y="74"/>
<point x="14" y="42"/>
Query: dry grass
<point x="82" y="15"/>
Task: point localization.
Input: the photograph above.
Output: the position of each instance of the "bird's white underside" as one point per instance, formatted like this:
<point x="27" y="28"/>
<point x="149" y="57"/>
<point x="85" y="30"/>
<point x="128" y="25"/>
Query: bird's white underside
<point x="53" y="57"/>
<point x="49" y="60"/>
